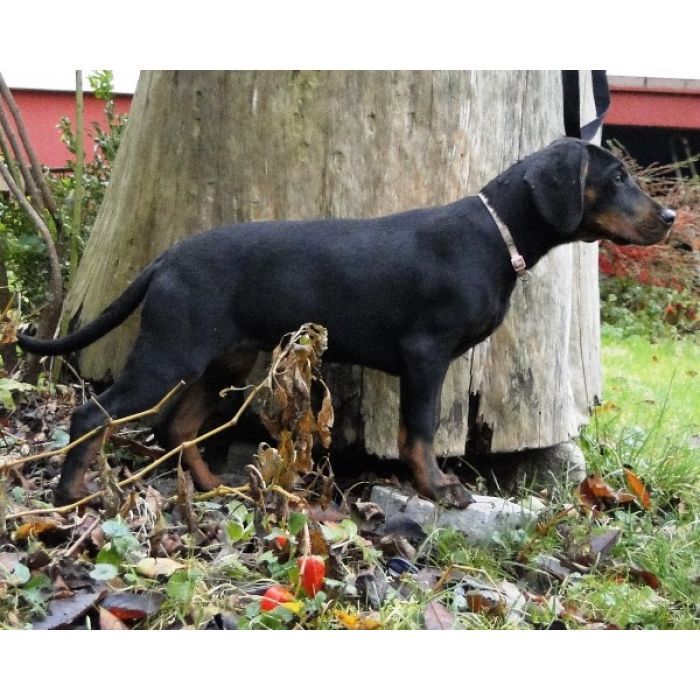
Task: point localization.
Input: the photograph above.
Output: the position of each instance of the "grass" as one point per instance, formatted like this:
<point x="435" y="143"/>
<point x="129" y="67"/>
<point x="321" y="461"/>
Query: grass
<point x="648" y="422"/>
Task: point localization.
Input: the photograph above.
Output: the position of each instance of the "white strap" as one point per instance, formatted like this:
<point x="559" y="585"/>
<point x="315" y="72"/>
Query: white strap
<point x="516" y="260"/>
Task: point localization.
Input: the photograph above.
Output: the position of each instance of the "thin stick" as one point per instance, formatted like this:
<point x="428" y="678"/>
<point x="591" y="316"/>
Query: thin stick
<point x="17" y="150"/>
<point x="176" y="450"/>
<point x="46" y="195"/>
<point x="76" y="224"/>
<point x="112" y="423"/>
<point x="82" y="538"/>
<point x="55" y="291"/>
<point x="8" y="156"/>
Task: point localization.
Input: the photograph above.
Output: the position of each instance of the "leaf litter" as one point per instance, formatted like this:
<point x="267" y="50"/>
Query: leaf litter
<point x="138" y="558"/>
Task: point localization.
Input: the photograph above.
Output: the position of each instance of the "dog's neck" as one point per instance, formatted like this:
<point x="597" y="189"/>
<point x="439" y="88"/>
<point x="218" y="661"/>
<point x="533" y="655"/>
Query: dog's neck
<point x="509" y="195"/>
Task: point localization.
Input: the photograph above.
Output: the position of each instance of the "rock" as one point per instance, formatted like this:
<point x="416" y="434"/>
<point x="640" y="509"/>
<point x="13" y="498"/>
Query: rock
<point x="557" y="468"/>
<point x="479" y="521"/>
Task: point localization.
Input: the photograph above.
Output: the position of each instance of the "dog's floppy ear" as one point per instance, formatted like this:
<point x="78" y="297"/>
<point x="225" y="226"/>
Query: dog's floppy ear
<point x="556" y="178"/>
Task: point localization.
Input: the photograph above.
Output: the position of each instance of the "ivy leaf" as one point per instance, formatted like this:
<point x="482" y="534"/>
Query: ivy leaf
<point x="104" y="572"/>
<point x="235" y="531"/>
<point x="115" y="528"/>
<point x="295" y="522"/>
<point x="182" y="585"/>
<point x="19" y="575"/>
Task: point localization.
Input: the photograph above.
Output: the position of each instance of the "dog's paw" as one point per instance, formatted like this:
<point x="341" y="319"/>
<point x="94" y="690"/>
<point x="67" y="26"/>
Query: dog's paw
<point x="66" y="496"/>
<point x="206" y="482"/>
<point x="450" y="493"/>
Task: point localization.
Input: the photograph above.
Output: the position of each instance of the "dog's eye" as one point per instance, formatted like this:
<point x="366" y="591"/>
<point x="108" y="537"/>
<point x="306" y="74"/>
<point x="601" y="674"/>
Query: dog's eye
<point x="618" y="179"/>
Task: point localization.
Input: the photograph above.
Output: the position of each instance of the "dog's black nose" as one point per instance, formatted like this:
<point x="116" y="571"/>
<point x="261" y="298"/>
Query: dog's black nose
<point x="668" y="216"/>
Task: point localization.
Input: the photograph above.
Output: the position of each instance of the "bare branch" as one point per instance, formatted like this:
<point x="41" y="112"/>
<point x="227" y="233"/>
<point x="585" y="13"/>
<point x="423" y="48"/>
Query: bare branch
<point x="55" y="293"/>
<point x="79" y="167"/>
<point x="8" y="156"/>
<point x="37" y="171"/>
<point x="19" y="159"/>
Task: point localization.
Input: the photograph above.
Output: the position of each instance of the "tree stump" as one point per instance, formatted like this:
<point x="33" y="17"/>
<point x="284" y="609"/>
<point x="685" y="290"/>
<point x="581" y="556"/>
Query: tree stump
<point x="205" y="148"/>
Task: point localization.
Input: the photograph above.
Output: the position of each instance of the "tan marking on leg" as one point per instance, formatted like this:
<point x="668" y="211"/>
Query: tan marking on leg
<point x="185" y="423"/>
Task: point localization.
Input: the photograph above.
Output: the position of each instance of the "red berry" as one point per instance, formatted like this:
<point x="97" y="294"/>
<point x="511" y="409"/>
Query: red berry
<point x="281" y="541"/>
<point x="312" y="572"/>
<point x="275" y="595"/>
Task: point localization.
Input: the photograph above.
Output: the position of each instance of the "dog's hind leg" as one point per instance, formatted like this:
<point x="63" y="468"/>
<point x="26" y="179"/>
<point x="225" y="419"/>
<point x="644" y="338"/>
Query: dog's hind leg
<point x="152" y="370"/>
<point x="198" y="402"/>
<point x="422" y="375"/>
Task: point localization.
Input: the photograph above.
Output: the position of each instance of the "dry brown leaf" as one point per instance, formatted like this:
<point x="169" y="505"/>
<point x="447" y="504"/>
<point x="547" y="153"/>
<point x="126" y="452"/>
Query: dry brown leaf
<point x="357" y="622"/>
<point x="65" y="612"/>
<point x="437" y="617"/>
<point x="637" y="487"/>
<point x="153" y="567"/>
<point x="109" y="621"/>
<point x="133" y="606"/>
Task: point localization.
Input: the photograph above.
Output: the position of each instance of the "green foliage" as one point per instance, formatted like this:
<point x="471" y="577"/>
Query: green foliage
<point x="26" y="258"/>
<point x="9" y="387"/>
<point x="629" y="308"/>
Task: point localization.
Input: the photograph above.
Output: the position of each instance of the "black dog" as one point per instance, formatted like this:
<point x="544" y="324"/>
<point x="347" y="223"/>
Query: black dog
<point x="405" y="294"/>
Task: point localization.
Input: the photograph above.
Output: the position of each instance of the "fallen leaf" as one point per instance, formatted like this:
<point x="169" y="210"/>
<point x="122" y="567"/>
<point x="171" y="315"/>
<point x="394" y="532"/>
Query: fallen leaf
<point x="7" y="562"/>
<point x="151" y="567"/>
<point x="109" y="621"/>
<point x="637" y="487"/>
<point x="370" y="511"/>
<point x="331" y="514"/>
<point x="486" y="602"/>
<point x="63" y="613"/>
<point x="598" y="487"/>
<point x="294" y="606"/>
<point x="357" y="622"/>
<point x="372" y="586"/>
<point x="133" y="606"/>
<point x="600" y="545"/>
<point x="394" y="545"/>
<point x="12" y="570"/>
<point x="606" y="407"/>
<point x="649" y="578"/>
<point x="437" y="617"/>
<point x="552" y="565"/>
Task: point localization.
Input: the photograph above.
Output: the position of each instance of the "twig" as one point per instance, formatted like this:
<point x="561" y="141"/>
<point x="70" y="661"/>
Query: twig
<point x="27" y="178"/>
<point x="78" y="172"/>
<point x="7" y="155"/>
<point x="49" y="318"/>
<point x="82" y="538"/>
<point x="175" y="451"/>
<point x="46" y="195"/>
<point x="220" y="491"/>
<point x="112" y="423"/>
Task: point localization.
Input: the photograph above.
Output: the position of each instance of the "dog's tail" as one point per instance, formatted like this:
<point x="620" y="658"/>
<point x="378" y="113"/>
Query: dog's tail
<point x="110" y="318"/>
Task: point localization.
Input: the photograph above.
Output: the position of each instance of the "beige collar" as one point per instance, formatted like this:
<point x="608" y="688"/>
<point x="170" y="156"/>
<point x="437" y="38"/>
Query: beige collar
<point x="516" y="260"/>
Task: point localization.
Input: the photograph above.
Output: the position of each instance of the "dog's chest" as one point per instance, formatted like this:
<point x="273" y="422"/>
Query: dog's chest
<point x="479" y="323"/>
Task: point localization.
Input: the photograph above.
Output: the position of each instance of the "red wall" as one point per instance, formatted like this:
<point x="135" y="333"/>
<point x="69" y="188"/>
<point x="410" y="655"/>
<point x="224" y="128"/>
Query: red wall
<point x="43" y="109"/>
<point x="659" y="107"/>
<point x="631" y="106"/>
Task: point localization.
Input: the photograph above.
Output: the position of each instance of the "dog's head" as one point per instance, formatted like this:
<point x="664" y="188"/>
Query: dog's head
<point x="587" y="194"/>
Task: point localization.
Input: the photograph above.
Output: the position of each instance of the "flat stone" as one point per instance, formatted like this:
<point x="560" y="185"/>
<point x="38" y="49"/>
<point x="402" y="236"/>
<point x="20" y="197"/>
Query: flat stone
<point x="557" y="468"/>
<point x="478" y="522"/>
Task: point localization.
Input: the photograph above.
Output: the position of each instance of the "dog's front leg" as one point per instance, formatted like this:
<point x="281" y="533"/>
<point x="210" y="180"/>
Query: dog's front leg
<point x="423" y="373"/>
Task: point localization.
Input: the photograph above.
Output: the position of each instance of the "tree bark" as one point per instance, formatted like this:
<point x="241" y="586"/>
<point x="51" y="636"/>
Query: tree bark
<point x="205" y="148"/>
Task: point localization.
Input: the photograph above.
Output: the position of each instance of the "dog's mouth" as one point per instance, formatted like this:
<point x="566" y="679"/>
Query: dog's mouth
<point x="652" y="230"/>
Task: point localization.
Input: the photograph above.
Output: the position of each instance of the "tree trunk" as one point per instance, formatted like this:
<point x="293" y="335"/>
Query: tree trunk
<point x="204" y="148"/>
